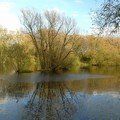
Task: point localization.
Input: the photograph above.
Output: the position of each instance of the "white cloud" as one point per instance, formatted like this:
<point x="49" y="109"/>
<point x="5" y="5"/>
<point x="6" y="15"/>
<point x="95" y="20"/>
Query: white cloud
<point x="6" y="4"/>
<point x="55" y="9"/>
<point x="75" y="14"/>
<point x="79" y="1"/>
<point x="7" y="18"/>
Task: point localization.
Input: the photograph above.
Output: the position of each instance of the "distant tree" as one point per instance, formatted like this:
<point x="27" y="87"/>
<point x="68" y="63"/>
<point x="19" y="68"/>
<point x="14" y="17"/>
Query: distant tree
<point x="5" y="37"/>
<point x="108" y="16"/>
<point x="17" y="56"/>
<point x="20" y="56"/>
<point x="53" y="36"/>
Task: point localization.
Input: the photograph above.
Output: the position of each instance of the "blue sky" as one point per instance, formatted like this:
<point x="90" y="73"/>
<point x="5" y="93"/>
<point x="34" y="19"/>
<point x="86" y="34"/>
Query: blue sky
<point x="77" y="9"/>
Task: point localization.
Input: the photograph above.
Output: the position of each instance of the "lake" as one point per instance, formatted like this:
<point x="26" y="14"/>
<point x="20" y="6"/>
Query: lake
<point x="86" y="94"/>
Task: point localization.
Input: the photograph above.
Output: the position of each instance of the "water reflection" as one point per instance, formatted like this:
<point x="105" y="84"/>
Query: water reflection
<point x="47" y="97"/>
<point x="14" y="90"/>
<point x="51" y="101"/>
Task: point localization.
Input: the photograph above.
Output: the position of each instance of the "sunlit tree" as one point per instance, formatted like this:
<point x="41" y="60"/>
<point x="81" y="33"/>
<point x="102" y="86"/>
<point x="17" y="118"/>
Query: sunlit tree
<point x="53" y="35"/>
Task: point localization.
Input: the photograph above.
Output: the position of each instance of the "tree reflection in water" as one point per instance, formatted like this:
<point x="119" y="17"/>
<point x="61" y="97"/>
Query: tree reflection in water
<point x="51" y="100"/>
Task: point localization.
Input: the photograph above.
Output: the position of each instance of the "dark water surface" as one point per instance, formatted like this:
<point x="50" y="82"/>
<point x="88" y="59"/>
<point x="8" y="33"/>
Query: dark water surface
<point x="88" y="94"/>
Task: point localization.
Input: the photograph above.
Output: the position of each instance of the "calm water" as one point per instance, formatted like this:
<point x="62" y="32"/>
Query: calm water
<point x="88" y="94"/>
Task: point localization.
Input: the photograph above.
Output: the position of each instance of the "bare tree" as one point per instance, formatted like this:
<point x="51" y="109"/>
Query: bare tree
<point x="108" y="16"/>
<point x="53" y="36"/>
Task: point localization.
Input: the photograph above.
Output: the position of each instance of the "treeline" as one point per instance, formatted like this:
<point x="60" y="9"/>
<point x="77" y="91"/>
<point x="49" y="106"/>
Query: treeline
<point x="51" y="42"/>
<point x="99" y="51"/>
<point x="18" y="52"/>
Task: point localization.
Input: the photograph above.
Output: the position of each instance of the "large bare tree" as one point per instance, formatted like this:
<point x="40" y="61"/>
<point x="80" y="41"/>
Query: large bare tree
<point x="53" y="35"/>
